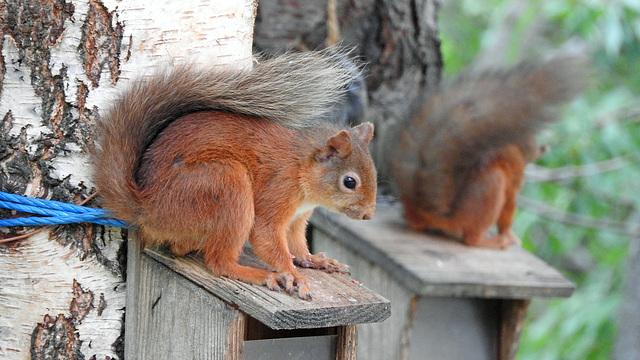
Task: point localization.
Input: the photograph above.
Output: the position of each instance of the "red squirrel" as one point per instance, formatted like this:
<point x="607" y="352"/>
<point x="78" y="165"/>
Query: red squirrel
<point x="204" y="159"/>
<point x="459" y="160"/>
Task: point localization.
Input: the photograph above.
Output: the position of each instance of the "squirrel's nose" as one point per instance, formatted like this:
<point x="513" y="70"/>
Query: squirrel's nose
<point x="368" y="215"/>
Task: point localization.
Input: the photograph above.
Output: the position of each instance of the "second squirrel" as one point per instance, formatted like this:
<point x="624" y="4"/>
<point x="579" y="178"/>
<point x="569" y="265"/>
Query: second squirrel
<point x="204" y="159"/>
<point x="460" y="161"/>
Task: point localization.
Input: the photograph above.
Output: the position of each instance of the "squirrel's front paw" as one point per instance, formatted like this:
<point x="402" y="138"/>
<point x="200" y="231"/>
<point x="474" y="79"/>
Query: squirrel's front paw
<point x="290" y="283"/>
<point x="321" y="262"/>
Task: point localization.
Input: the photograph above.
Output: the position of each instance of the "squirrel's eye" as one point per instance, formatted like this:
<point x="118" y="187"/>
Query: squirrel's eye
<point x="349" y="182"/>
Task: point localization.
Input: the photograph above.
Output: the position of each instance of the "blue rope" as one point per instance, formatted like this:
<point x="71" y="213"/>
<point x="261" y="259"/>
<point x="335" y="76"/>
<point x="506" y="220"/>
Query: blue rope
<point x="55" y="212"/>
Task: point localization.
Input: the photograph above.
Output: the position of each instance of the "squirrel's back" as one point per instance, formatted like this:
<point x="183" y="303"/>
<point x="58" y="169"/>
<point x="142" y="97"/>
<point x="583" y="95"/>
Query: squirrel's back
<point x="270" y="90"/>
<point x="458" y="128"/>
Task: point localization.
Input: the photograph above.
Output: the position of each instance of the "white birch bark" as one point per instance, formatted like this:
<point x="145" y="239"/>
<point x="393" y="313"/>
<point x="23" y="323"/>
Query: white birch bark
<point x="61" y="63"/>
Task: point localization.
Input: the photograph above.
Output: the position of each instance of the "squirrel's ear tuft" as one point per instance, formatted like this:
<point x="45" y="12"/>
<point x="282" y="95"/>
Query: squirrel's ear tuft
<point x="363" y="133"/>
<point x="338" y="145"/>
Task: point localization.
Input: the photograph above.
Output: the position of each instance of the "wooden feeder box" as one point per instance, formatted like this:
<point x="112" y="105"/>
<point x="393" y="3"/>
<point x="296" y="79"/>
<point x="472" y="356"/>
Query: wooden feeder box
<point x="176" y="309"/>
<point x="449" y="301"/>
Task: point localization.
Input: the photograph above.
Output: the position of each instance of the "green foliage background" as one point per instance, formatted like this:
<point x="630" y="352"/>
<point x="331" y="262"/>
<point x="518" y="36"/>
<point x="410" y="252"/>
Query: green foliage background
<point x="602" y="127"/>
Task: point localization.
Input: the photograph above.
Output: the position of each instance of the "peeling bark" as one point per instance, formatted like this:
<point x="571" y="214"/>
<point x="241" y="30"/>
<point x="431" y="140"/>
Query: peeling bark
<point x="61" y="61"/>
<point x="3" y="68"/>
<point x="55" y="338"/>
<point x="100" y="43"/>
<point x="36" y="27"/>
<point x="102" y="304"/>
<point x="81" y="303"/>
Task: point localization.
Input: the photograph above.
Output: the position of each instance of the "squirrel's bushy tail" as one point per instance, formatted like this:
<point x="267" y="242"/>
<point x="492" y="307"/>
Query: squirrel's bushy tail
<point x="481" y="111"/>
<point x="294" y="90"/>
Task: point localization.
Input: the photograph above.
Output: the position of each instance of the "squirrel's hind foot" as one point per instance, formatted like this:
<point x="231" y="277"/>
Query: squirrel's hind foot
<point x="500" y="241"/>
<point x="321" y="262"/>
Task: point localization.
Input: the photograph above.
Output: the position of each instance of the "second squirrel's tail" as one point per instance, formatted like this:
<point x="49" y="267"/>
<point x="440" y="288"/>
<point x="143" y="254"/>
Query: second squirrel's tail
<point x="294" y="90"/>
<point x="482" y="111"/>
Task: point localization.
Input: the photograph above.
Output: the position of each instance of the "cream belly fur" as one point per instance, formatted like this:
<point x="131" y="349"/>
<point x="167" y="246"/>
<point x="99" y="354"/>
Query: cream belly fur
<point x="306" y="206"/>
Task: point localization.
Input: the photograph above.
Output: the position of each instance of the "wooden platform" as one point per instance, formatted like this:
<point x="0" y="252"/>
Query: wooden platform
<point x="176" y="309"/>
<point x="439" y="266"/>
<point x="337" y="299"/>
<point x="449" y="301"/>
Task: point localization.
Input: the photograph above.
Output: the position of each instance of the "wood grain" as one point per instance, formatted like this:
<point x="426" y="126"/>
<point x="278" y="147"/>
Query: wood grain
<point x="337" y="299"/>
<point x="168" y="317"/>
<point x="514" y="313"/>
<point x="377" y="341"/>
<point x="347" y="343"/>
<point x="438" y="266"/>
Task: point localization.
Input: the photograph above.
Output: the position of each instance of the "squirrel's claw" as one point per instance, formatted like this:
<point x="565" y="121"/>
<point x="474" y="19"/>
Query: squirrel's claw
<point x="290" y="283"/>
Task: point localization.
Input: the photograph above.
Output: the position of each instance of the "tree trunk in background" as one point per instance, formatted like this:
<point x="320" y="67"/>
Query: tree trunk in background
<point x="627" y="344"/>
<point x="397" y="40"/>
<point x="62" y="292"/>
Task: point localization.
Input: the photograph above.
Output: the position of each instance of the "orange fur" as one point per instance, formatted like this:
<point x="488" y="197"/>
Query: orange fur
<point x="489" y="199"/>
<point x="458" y="160"/>
<point x="213" y="179"/>
<point x="206" y="159"/>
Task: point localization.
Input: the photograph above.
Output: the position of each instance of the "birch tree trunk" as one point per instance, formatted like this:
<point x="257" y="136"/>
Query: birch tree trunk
<point x="62" y="292"/>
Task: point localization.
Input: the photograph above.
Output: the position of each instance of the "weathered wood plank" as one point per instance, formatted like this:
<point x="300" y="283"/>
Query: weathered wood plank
<point x="347" y="343"/>
<point x="168" y="317"/>
<point x="454" y="328"/>
<point x="379" y="341"/>
<point x="437" y="266"/>
<point x="513" y="315"/>
<point x="337" y="299"/>
<point x="305" y="347"/>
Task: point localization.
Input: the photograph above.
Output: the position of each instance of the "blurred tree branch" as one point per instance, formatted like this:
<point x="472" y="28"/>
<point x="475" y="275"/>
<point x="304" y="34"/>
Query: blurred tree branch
<point x="631" y="114"/>
<point x="535" y="173"/>
<point x="630" y="228"/>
